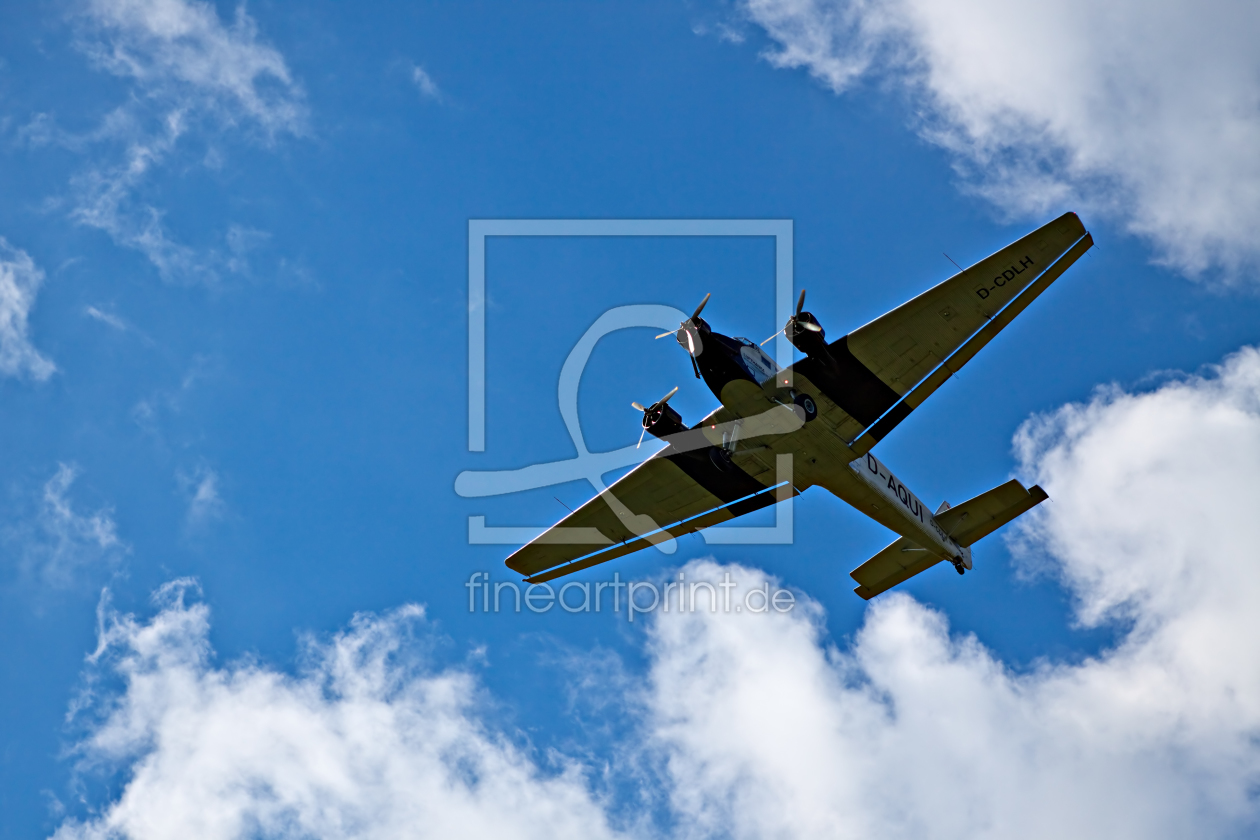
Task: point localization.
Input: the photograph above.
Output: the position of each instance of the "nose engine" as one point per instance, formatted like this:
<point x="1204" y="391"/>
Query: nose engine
<point x="692" y="333"/>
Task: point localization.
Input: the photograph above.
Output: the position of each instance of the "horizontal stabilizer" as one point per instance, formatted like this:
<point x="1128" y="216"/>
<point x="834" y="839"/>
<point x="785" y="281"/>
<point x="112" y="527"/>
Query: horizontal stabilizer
<point x="899" y="562"/>
<point x="977" y="518"/>
<point x="965" y="523"/>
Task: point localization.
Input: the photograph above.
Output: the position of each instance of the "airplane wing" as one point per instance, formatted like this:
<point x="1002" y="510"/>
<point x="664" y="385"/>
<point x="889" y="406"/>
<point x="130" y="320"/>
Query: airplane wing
<point x="679" y="490"/>
<point x="908" y="343"/>
<point x="926" y="340"/>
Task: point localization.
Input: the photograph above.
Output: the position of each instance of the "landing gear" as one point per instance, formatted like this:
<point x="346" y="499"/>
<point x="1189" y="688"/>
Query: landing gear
<point x="806" y="402"/>
<point x="958" y="566"/>
<point x="721" y="458"/>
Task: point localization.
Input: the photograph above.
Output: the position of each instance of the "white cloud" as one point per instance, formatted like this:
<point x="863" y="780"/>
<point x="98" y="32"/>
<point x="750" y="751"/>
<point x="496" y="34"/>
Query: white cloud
<point x="189" y="72"/>
<point x="105" y="199"/>
<point x="20" y="280"/>
<point x="424" y="83"/>
<point x="1145" y="111"/>
<point x="1154" y="498"/>
<point x="58" y="544"/>
<point x="241" y="241"/>
<point x="757" y="725"/>
<point x="370" y="741"/>
<point x="204" y="502"/>
<point x="910" y="732"/>
<point x="156" y="414"/>
<point x="106" y="318"/>
<point x="180" y="50"/>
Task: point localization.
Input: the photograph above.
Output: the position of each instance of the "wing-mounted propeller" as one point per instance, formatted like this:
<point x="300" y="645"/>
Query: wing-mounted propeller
<point x="691" y="334"/>
<point x="803" y="330"/>
<point x="659" y="419"/>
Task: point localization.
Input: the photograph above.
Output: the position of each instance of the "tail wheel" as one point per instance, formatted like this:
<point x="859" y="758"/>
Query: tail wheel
<point x="806" y="402"/>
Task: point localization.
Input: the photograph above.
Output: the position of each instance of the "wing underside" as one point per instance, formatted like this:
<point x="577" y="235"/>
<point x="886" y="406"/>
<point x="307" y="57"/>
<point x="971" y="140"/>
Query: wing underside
<point x="675" y="487"/>
<point x="881" y="371"/>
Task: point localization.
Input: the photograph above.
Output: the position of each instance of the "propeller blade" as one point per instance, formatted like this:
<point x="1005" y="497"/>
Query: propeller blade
<point x="665" y="398"/>
<point x="700" y="308"/>
<point x="771" y="338"/>
<point x="810" y="325"/>
<point x="637" y="406"/>
<point x="671" y="332"/>
<point x="641" y="434"/>
<point x="800" y="303"/>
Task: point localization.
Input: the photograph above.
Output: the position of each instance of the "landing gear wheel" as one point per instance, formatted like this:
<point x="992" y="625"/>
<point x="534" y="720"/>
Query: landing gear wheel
<point x="721" y="459"/>
<point x="958" y="567"/>
<point x="806" y="402"/>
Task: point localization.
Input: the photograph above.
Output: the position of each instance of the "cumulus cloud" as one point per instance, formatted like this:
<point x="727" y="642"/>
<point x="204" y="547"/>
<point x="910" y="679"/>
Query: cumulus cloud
<point x="759" y="725"/>
<point x="20" y="280"/>
<point x="369" y="741"/>
<point x="188" y="71"/>
<point x="1185" y="509"/>
<point x="1149" y="112"/>
<point x="58" y="543"/>
<point x="914" y="732"/>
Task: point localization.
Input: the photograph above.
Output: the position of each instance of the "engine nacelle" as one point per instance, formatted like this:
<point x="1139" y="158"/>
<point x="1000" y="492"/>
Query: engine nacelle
<point x="810" y="340"/>
<point x="661" y="421"/>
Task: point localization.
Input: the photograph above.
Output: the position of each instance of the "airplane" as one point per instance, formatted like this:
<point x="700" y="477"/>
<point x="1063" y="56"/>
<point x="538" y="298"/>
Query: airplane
<point x="779" y="431"/>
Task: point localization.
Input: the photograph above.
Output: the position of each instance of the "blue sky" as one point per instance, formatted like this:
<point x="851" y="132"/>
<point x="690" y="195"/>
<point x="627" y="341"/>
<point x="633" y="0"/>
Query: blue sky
<point x="234" y="350"/>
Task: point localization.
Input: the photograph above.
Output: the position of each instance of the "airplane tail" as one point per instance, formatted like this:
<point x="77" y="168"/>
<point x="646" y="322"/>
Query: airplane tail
<point x="966" y="523"/>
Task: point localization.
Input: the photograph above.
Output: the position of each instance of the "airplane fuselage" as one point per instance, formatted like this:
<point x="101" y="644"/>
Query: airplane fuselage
<point x="729" y="365"/>
<point x="721" y="359"/>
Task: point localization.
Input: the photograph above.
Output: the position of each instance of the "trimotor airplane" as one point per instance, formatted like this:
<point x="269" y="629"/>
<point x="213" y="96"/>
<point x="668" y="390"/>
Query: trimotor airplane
<point x="780" y="431"/>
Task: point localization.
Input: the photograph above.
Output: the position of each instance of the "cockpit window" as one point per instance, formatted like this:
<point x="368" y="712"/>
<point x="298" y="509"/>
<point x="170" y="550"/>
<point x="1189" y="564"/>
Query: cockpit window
<point x="744" y="341"/>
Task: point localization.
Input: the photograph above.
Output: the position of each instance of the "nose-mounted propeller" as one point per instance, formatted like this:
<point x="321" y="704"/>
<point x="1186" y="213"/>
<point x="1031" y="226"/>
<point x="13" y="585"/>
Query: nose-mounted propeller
<point x="798" y="322"/>
<point x="657" y="412"/>
<point x="694" y="316"/>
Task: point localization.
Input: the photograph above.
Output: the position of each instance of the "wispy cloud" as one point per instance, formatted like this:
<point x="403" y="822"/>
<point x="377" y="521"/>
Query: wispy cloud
<point x="750" y="726"/>
<point x="106" y="318"/>
<point x="190" y="74"/>
<point x="153" y="413"/>
<point x="179" y="51"/>
<point x="425" y="84"/>
<point x="241" y="241"/>
<point x="20" y="280"/>
<point x="58" y="545"/>
<point x="105" y="199"/>
<point x="1145" y="111"/>
<point x="201" y="487"/>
